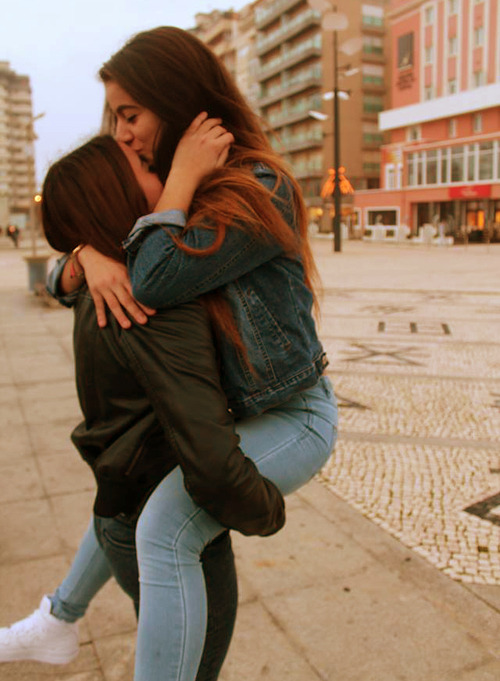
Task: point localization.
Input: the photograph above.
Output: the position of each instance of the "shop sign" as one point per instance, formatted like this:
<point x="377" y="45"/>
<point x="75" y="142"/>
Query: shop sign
<point x="470" y="191"/>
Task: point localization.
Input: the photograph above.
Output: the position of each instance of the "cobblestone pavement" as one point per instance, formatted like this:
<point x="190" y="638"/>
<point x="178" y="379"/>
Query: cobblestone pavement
<point x="417" y="374"/>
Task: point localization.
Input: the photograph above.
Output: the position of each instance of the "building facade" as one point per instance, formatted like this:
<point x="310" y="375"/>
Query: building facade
<point x="282" y="61"/>
<point x="442" y="164"/>
<point x="296" y="77"/>
<point x="232" y="36"/>
<point x="17" y="161"/>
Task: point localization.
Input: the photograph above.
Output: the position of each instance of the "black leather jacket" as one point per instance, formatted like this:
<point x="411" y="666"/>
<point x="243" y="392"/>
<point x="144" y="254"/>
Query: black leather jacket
<point x="151" y="399"/>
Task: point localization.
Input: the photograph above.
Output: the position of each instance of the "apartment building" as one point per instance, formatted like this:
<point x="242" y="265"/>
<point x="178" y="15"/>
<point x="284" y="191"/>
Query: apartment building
<point x="442" y="163"/>
<point x="17" y="163"/>
<point x="218" y="30"/>
<point x="296" y="77"/>
<point x="283" y="62"/>
<point x="232" y="36"/>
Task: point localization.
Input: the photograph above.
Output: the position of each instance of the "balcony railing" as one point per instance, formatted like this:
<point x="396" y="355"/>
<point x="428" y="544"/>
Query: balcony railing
<point x="288" y="29"/>
<point x="294" y="114"/>
<point x="373" y="139"/>
<point x="292" y="87"/>
<point x="264" y="16"/>
<point x="305" y="49"/>
<point x="298" y="142"/>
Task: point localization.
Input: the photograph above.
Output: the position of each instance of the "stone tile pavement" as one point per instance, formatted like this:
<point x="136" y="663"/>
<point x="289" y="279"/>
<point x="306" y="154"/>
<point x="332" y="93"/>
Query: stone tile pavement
<point x="388" y="568"/>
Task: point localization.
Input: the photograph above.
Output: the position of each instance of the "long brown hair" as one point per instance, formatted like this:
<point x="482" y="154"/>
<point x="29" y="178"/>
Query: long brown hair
<point x="91" y="196"/>
<point x="172" y="73"/>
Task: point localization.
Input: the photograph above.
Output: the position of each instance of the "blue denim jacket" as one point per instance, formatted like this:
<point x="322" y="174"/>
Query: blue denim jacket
<point x="270" y="301"/>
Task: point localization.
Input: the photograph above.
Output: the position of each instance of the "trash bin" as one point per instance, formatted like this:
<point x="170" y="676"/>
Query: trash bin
<point x="37" y="270"/>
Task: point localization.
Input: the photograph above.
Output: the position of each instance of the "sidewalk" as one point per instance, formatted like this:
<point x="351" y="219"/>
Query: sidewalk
<point x="380" y="574"/>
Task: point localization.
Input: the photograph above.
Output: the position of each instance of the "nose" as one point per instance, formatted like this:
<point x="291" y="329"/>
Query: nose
<point x="123" y="133"/>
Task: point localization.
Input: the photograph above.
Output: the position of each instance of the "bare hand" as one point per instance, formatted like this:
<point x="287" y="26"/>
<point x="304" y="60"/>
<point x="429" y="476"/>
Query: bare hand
<point x="109" y="285"/>
<point x="203" y="147"/>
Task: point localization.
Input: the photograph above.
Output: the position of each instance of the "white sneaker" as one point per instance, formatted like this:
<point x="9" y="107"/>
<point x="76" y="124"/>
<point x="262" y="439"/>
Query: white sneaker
<point x="41" y="637"/>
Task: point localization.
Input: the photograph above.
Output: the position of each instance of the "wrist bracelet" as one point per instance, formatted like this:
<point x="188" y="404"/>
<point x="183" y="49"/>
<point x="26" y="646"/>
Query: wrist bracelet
<point x="72" y="258"/>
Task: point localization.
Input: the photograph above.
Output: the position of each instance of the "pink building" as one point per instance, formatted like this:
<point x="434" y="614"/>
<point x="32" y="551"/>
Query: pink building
<point x="442" y="163"/>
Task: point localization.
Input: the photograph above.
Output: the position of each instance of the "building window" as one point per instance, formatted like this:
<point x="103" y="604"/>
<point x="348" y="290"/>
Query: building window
<point x="457" y="164"/>
<point x="373" y="138"/>
<point x="373" y="103"/>
<point x="477" y="123"/>
<point x="429" y="54"/>
<point x="371" y="134"/>
<point x="432" y="166"/>
<point x="452" y="86"/>
<point x="420" y="167"/>
<point x="373" y="44"/>
<point x="452" y="127"/>
<point x="373" y="15"/>
<point x="428" y="92"/>
<point x="405" y="51"/>
<point x="413" y="133"/>
<point x="390" y="176"/>
<point x="486" y="161"/>
<point x="468" y="163"/>
<point x="444" y="167"/>
<point x="452" y="6"/>
<point x="479" y="36"/>
<point x="453" y="46"/>
<point x="429" y="15"/>
<point x="479" y="78"/>
<point x="373" y="74"/>
<point x="471" y="163"/>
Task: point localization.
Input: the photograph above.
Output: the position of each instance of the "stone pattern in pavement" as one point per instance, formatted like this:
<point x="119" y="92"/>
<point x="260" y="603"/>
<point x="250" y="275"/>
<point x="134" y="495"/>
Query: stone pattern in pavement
<point x="417" y="373"/>
<point x="338" y="595"/>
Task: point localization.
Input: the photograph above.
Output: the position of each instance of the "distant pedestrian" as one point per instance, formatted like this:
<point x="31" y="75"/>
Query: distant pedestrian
<point x="13" y="233"/>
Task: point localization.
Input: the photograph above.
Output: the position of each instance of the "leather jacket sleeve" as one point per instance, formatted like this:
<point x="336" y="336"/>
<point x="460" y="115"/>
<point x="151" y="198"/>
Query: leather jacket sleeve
<point x="174" y="359"/>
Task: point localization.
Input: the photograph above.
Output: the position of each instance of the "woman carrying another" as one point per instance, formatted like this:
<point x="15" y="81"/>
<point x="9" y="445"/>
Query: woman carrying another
<point x="238" y="230"/>
<point x="151" y="396"/>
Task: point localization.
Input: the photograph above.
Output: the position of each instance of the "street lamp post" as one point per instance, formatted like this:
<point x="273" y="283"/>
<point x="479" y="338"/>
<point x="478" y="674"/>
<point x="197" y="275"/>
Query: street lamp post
<point x="333" y="21"/>
<point x="337" y="235"/>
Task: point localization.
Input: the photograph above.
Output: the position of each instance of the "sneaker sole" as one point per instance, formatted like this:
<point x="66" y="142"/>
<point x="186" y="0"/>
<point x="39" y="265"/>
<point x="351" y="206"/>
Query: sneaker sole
<point x="40" y="656"/>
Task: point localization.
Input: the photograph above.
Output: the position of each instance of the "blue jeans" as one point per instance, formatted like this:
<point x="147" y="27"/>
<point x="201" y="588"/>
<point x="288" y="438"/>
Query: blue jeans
<point x="116" y="537"/>
<point x="290" y="444"/>
<point x="108" y="549"/>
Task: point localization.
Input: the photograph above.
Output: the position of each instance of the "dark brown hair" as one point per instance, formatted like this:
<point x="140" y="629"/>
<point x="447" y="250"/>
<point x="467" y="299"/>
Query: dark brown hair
<point x="91" y="196"/>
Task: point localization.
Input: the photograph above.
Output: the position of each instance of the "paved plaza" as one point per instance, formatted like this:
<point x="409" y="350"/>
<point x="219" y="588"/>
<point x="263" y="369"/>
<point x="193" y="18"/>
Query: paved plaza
<point x="389" y="566"/>
<point x="415" y="357"/>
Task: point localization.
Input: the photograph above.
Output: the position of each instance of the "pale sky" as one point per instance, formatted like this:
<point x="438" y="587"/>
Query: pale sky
<point x="60" y="45"/>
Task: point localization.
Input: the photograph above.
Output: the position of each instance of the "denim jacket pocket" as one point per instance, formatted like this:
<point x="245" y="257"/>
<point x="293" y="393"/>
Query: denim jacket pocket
<point x="267" y="342"/>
